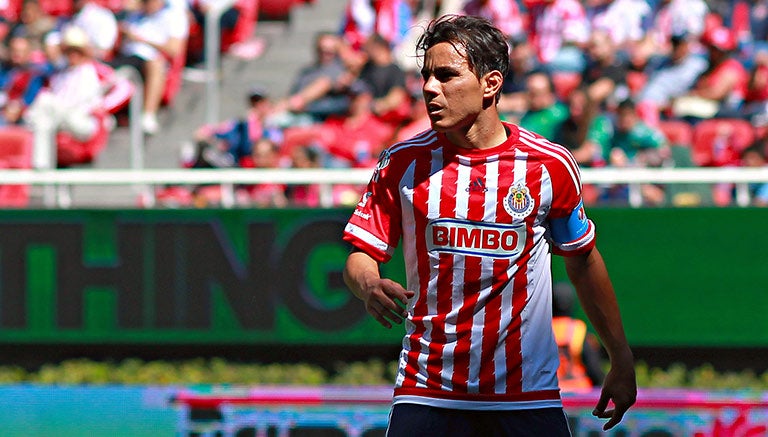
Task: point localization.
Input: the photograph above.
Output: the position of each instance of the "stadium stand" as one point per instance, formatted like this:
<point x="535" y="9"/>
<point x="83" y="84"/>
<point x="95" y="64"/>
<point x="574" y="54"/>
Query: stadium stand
<point x="284" y="30"/>
<point x="15" y="152"/>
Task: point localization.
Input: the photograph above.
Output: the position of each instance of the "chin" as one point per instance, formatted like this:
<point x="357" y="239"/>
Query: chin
<point x="440" y="125"/>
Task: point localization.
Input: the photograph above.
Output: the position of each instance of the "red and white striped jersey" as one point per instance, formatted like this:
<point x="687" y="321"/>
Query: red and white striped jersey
<point x="476" y="227"/>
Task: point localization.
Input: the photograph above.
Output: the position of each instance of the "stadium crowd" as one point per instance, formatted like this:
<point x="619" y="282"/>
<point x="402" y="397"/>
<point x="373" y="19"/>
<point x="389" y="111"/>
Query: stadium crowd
<point x="622" y="83"/>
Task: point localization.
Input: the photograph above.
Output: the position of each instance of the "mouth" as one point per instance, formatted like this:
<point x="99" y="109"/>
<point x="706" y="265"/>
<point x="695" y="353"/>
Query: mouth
<point x="434" y="109"/>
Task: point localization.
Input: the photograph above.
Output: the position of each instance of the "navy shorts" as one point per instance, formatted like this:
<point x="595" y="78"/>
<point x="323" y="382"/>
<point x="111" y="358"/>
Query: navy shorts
<point x="408" y="420"/>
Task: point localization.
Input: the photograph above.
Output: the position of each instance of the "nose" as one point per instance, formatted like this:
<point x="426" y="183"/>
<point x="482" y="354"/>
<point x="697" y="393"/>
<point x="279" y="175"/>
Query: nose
<point x="430" y="86"/>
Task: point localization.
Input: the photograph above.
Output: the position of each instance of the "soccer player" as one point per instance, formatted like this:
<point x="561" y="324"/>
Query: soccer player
<point x="478" y="203"/>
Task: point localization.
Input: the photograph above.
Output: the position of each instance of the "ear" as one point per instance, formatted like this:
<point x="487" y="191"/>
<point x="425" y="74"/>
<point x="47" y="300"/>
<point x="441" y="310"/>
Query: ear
<point x="492" y="84"/>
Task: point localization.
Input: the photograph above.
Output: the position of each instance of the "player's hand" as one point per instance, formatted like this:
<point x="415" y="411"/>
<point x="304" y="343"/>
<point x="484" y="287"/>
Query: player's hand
<point x="386" y="300"/>
<point x="620" y="387"/>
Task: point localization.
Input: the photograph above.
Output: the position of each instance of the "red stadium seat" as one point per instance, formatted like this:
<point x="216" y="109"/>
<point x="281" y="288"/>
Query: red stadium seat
<point x="246" y="24"/>
<point x="58" y="8"/>
<point x="112" y="5"/>
<point x="276" y="9"/>
<point x="15" y="152"/>
<point x="173" y="79"/>
<point x="12" y="10"/>
<point x="719" y="142"/>
<point x="677" y="132"/>
<point x="565" y="82"/>
<point x="72" y="151"/>
<point x="636" y="81"/>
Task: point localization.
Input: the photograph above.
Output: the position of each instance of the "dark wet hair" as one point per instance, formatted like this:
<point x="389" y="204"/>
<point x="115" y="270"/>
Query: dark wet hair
<point x="485" y="46"/>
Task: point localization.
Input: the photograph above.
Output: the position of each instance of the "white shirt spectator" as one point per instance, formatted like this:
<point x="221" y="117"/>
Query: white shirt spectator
<point x="624" y="20"/>
<point x="100" y="24"/>
<point x="157" y="28"/>
<point x="677" y="17"/>
<point x="78" y="86"/>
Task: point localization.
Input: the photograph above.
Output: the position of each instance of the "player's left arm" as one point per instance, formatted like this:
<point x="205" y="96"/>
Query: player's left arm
<point x="589" y="275"/>
<point x="573" y="236"/>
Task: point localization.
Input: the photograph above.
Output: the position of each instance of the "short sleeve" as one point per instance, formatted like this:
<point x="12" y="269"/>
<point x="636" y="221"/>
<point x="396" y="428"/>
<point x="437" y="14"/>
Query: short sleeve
<point x="375" y="225"/>
<point x="571" y="231"/>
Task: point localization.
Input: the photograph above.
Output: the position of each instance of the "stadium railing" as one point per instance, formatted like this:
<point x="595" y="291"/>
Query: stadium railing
<point x="145" y="179"/>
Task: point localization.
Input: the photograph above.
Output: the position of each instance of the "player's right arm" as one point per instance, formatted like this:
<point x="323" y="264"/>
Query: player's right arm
<point x="384" y="299"/>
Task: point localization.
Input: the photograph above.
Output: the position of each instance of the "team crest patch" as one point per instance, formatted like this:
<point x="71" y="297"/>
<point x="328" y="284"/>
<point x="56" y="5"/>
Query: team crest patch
<point x="382" y="164"/>
<point x="518" y="202"/>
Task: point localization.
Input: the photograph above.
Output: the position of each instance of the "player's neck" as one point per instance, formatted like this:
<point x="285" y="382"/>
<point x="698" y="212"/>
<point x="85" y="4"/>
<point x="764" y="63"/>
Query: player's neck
<point x="480" y="135"/>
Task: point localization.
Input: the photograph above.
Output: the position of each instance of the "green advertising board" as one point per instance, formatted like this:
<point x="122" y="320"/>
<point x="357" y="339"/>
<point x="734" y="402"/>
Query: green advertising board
<point x="693" y="277"/>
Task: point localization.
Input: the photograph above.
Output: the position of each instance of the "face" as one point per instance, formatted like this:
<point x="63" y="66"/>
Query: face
<point x="626" y="119"/>
<point x="453" y="95"/>
<point x="264" y="154"/>
<point x="752" y="159"/>
<point x="74" y="56"/>
<point x="576" y="103"/>
<point x="600" y="45"/>
<point x="152" y="6"/>
<point x="540" y="95"/>
<point x="19" y="51"/>
<point x="327" y="48"/>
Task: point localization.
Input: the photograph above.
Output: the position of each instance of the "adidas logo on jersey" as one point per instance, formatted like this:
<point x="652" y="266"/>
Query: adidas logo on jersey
<point x="477" y="185"/>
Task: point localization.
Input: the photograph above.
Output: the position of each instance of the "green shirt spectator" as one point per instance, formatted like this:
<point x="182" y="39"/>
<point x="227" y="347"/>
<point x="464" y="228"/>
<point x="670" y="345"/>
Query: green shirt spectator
<point x="634" y="142"/>
<point x="545" y="114"/>
<point x="640" y="137"/>
<point x="547" y="121"/>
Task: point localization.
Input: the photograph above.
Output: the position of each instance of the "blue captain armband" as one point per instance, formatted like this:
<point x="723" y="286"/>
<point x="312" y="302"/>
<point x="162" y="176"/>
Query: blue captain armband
<point x="571" y="227"/>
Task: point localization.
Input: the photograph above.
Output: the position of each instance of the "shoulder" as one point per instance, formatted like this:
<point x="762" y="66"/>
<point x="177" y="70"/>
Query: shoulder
<point x="535" y="144"/>
<point x="395" y="160"/>
<point x="422" y="142"/>
<point x="555" y="157"/>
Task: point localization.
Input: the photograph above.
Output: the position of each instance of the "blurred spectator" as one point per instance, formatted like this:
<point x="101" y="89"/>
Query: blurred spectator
<point x="756" y="101"/>
<point x="34" y="24"/>
<point x="580" y="352"/>
<point x="69" y="102"/>
<point x="21" y="80"/>
<point x="606" y="73"/>
<point x="100" y="24"/>
<point x="266" y="154"/>
<point x="151" y="37"/>
<point x="522" y="63"/>
<point x="560" y="31"/>
<point x="362" y="18"/>
<point x="319" y="89"/>
<point x="352" y="140"/>
<point x="545" y="114"/>
<point x="230" y="143"/>
<point x="305" y="195"/>
<point x="758" y="19"/>
<point x="674" y="18"/>
<point x="674" y="77"/>
<point x="199" y="9"/>
<point x="755" y="156"/>
<point x="626" y="22"/>
<point x="636" y="144"/>
<point x="504" y="14"/>
<point x="587" y="132"/>
<point x="356" y="139"/>
<point x="386" y="80"/>
<point x="418" y="121"/>
<point x="720" y="90"/>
